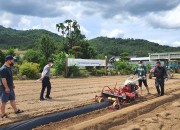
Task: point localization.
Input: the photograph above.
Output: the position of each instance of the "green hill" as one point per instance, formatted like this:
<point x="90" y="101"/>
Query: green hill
<point x="134" y="47"/>
<point x="11" y="38"/>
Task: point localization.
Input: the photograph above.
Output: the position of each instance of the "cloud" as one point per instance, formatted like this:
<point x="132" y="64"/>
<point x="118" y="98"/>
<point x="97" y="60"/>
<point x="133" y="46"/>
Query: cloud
<point x="161" y="42"/>
<point x="154" y="12"/>
<point x="8" y="20"/>
<point x="176" y="44"/>
<point x="116" y="33"/>
<point x="24" y="22"/>
<point x="166" y="20"/>
<point x="84" y="30"/>
<point x="40" y="8"/>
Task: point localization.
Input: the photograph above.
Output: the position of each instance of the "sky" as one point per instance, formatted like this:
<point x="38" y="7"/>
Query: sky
<point x="154" y="20"/>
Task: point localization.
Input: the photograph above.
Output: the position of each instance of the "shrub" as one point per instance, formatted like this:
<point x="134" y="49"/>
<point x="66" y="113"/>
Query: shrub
<point x="11" y="51"/>
<point x="98" y="72"/>
<point x="15" y="69"/>
<point x="29" y="69"/>
<point x="60" y="63"/>
<point x="134" y="67"/>
<point x="124" y="67"/>
<point x="148" y="67"/>
<point x="73" y="70"/>
<point x="33" y="56"/>
<point x="2" y="57"/>
<point x="112" y="72"/>
<point x="84" y="73"/>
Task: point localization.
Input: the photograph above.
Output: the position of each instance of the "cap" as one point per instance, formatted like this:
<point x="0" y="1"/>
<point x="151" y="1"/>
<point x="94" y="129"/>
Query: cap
<point x="9" y="57"/>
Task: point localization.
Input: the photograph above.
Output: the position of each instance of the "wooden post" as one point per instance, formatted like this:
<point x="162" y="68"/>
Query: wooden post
<point x="105" y="65"/>
<point x="66" y="74"/>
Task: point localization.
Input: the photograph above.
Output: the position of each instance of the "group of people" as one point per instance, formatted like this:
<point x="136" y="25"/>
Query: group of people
<point x="7" y="85"/>
<point x="159" y="73"/>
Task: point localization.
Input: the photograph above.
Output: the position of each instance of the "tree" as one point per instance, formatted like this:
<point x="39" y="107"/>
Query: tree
<point x="60" y="63"/>
<point x="33" y="56"/>
<point x="10" y="52"/>
<point x="71" y="30"/>
<point x="46" y="47"/>
<point x="76" y="51"/>
<point x="75" y="42"/>
<point x="2" y="57"/>
<point x="124" y="57"/>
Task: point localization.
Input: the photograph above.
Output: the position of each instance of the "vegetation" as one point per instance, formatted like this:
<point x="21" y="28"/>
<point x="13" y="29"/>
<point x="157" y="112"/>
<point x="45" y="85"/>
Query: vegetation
<point x="123" y="67"/>
<point x="134" y="47"/>
<point x="71" y="36"/>
<point x="74" y="42"/>
<point x="29" y="69"/>
<point x="42" y="45"/>
<point x="11" y="38"/>
<point x="2" y="57"/>
<point x="33" y="56"/>
<point x="46" y="47"/>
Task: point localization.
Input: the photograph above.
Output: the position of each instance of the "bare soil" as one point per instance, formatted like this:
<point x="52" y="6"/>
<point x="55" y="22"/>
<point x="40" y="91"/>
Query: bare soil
<point x="70" y="93"/>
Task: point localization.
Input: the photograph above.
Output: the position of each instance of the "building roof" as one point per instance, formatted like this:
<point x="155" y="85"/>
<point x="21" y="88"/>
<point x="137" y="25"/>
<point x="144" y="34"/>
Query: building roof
<point x="140" y="58"/>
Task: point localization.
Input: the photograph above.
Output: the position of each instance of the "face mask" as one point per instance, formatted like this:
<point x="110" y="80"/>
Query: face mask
<point x="12" y="64"/>
<point x="51" y="65"/>
<point x="140" y="65"/>
<point x="158" y="65"/>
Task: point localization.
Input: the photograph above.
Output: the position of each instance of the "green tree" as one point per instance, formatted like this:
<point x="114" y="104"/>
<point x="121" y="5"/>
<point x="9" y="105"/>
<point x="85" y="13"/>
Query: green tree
<point x="124" y="57"/>
<point x="71" y="30"/>
<point x="75" y="42"/>
<point x="33" y="56"/>
<point x="148" y="67"/>
<point x="11" y="51"/>
<point x="60" y="63"/>
<point x="123" y="67"/>
<point x="2" y="57"/>
<point x="76" y="51"/>
<point x="46" y="47"/>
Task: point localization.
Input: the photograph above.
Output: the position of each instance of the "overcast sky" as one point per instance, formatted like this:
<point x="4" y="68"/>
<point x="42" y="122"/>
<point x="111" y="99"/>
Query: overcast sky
<point x="153" y="20"/>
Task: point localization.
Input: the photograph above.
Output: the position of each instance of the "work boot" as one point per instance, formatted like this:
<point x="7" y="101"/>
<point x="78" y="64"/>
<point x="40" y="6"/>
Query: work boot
<point x="49" y="97"/>
<point x="42" y="99"/>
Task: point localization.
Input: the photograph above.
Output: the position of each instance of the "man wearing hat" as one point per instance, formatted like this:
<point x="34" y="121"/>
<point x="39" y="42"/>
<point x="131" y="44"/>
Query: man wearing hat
<point x="141" y="72"/>
<point x="7" y="86"/>
<point x="160" y="74"/>
<point x="45" y="78"/>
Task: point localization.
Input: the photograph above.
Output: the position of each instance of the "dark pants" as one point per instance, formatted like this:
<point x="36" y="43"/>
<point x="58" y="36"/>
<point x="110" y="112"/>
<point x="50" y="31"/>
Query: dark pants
<point x="144" y="81"/>
<point x="45" y="83"/>
<point x="160" y="84"/>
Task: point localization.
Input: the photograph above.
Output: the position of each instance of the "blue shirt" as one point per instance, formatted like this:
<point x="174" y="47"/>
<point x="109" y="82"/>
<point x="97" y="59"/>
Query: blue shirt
<point x="5" y="72"/>
<point x="140" y="71"/>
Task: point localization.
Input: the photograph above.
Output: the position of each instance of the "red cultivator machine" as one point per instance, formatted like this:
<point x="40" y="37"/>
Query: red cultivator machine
<point x="121" y="95"/>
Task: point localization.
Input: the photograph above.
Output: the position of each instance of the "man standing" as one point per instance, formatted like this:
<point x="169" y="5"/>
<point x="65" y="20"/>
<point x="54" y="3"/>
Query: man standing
<point x="45" y="78"/>
<point x="160" y="74"/>
<point x="7" y="87"/>
<point x="141" y="72"/>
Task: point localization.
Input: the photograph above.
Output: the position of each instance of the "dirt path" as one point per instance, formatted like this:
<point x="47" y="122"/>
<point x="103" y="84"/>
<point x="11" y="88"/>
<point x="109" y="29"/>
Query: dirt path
<point x="66" y="93"/>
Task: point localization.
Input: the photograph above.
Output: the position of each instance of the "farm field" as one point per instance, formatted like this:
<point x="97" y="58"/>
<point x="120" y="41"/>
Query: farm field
<point x="71" y="93"/>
